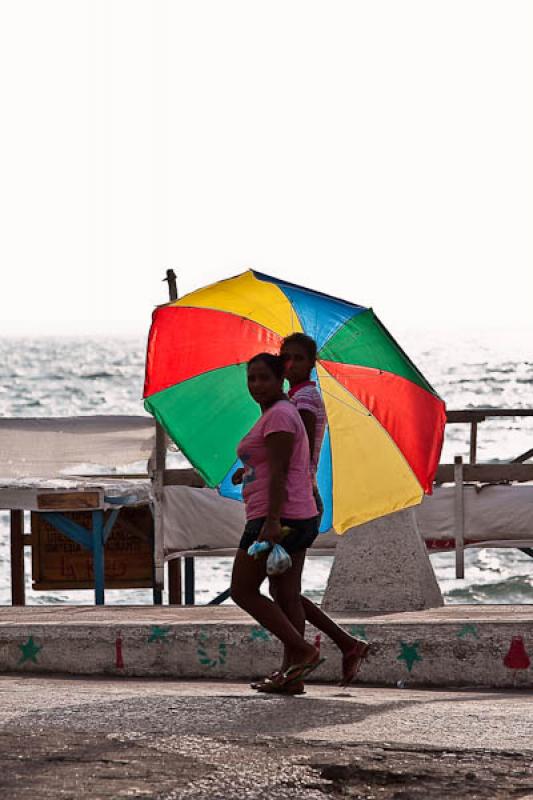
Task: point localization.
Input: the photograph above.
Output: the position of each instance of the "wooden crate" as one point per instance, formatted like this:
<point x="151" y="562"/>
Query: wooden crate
<point x="60" y="563"/>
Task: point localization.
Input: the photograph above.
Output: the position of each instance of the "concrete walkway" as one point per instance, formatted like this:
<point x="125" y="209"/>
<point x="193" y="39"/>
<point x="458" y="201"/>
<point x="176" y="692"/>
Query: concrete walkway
<point x="478" y="646"/>
<point x="109" y="738"/>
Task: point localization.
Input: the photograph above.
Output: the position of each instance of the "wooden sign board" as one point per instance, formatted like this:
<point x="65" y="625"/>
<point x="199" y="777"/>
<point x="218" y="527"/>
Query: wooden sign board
<point x="59" y="501"/>
<point x="60" y="563"/>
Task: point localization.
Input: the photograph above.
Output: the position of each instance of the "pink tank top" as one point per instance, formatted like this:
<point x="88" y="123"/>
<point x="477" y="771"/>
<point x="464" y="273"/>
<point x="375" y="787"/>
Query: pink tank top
<point x="252" y="450"/>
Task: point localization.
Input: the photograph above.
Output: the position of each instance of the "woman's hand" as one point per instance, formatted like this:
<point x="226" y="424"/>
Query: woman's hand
<point x="237" y="476"/>
<point x="271" y="531"/>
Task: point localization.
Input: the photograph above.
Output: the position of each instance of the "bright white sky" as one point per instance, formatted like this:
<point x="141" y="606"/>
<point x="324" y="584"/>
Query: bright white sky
<point x="378" y="151"/>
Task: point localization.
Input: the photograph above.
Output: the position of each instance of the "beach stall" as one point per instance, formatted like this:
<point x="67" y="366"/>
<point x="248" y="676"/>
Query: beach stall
<point x="86" y="530"/>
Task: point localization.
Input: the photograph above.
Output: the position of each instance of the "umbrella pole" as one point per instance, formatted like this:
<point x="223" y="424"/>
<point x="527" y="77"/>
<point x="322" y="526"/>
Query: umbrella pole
<point x="174" y="565"/>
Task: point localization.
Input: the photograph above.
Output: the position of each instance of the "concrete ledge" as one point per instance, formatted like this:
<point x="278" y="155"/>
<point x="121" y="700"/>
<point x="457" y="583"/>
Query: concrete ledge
<point x="476" y="646"/>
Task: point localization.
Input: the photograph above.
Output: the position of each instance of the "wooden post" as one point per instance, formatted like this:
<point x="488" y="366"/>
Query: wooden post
<point x="98" y="557"/>
<point x="174" y="582"/>
<point x="18" y="593"/>
<point x="159" y="555"/>
<point x="473" y="442"/>
<point x="172" y="285"/>
<point x="459" y="519"/>
<point x="174" y="565"/>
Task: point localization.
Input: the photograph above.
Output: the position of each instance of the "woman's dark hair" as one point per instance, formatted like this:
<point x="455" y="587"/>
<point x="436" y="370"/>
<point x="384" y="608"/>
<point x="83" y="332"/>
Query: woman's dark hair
<point x="306" y="343"/>
<point x="276" y="364"/>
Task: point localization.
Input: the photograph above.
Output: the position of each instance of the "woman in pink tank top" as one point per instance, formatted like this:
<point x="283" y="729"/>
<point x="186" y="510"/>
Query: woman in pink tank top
<point x="278" y="494"/>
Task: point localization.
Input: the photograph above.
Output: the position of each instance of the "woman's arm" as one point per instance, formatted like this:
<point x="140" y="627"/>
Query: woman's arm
<point x="279" y="449"/>
<point x="309" y="421"/>
<point x="237" y="476"/>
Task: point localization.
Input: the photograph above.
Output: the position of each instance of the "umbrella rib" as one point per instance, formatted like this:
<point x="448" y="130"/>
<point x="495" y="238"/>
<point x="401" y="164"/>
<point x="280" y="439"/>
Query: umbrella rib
<point x="404" y="354"/>
<point x="351" y="407"/>
<point x="293" y="315"/>
<point x="246" y="317"/>
<point x="377" y="421"/>
<point x="193" y="377"/>
<point x="306" y="289"/>
<point x="354" y="335"/>
<point x="265" y="306"/>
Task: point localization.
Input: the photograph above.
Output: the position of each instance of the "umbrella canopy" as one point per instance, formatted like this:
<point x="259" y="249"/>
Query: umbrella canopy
<point x="385" y="423"/>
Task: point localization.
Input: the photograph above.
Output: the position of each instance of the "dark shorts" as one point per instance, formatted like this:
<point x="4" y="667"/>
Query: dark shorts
<point x="302" y="534"/>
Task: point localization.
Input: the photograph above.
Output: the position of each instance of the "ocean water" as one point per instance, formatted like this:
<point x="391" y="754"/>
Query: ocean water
<point x="42" y="377"/>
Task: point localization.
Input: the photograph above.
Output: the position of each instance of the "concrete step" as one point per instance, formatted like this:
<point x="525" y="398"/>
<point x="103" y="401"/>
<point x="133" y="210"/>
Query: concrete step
<point x="475" y="646"/>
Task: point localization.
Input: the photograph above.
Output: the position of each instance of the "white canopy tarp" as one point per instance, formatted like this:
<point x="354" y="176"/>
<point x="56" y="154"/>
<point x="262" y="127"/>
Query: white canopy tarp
<point x="49" y="447"/>
<point x="492" y="512"/>
<point x="201" y="520"/>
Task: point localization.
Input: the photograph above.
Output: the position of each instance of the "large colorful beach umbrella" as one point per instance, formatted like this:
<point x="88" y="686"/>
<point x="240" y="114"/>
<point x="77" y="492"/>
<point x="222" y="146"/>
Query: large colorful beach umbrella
<point x="385" y="423"/>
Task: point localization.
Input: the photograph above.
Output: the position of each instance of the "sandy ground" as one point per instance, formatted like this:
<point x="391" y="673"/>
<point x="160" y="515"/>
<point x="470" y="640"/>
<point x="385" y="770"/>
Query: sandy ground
<point x="62" y="737"/>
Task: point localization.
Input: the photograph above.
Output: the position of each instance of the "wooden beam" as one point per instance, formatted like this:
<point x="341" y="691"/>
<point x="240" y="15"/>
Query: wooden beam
<point x="464" y="416"/>
<point x="41" y="586"/>
<point x="480" y="414"/>
<point x="486" y="473"/>
<point x="523" y="457"/>
<point x="18" y="591"/>
<point x="140" y="476"/>
<point x="68" y="501"/>
<point x="182" y="477"/>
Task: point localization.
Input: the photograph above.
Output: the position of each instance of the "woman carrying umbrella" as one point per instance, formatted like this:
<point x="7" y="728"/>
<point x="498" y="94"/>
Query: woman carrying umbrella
<point x="277" y="493"/>
<point x="299" y="354"/>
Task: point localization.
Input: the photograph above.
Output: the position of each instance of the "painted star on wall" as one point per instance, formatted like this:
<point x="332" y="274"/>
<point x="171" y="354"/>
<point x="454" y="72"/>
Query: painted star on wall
<point x="203" y="656"/>
<point x="468" y="630"/>
<point x="359" y="631"/>
<point x="29" y="651"/>
<point x="260" y="633"/>
<point x="159" y="634"/>
<point x="409" y="654"/>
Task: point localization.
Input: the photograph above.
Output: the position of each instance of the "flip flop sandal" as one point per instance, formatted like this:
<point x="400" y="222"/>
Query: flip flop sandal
<point x="274" y="687"/>
<point x="300" y="671"/>
<point x="274" y="676"/>
<point x="358" y="653"/>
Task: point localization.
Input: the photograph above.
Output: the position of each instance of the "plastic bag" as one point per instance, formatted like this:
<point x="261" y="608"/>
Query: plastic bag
<point x="278" y="561"/>
<point x="258" y="547"/>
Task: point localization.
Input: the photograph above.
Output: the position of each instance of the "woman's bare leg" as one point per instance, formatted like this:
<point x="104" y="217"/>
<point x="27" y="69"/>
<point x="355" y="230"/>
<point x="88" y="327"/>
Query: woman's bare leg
<point x="286" y="590"/>
<point x="248" y="575"/>
<point x="353" y="650"/>
<point x="314" y="614"/>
